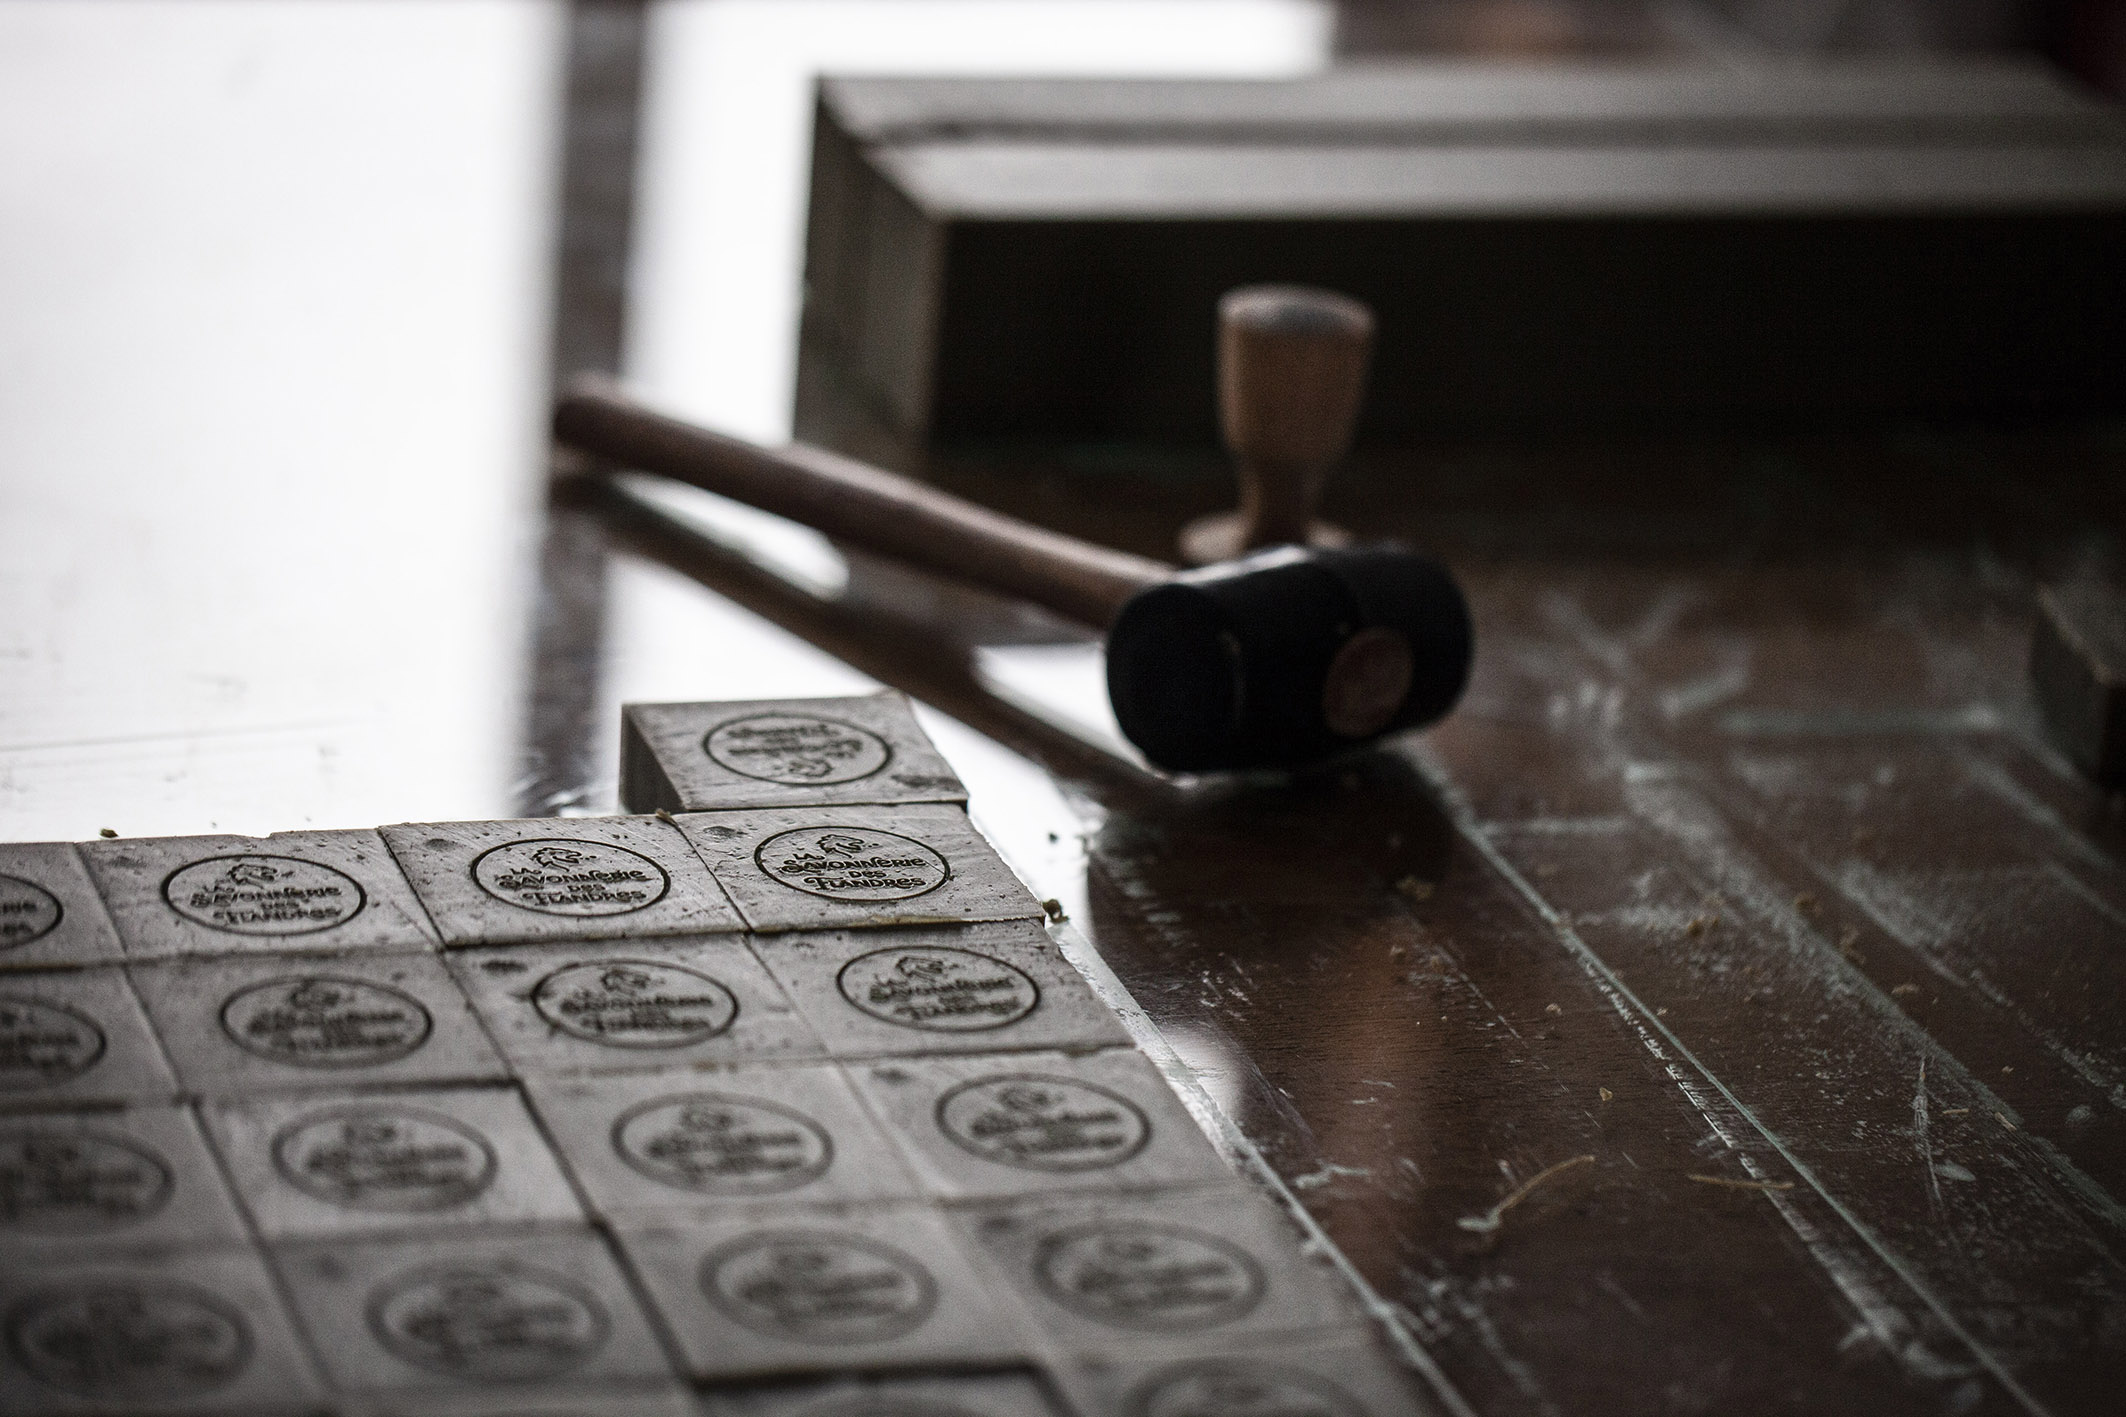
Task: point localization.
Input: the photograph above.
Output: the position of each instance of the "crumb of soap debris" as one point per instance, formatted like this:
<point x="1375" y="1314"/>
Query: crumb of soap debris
<point x="1552" y="1009"/>
<point x="107" y="833"/>
<point x="2002" y="1118"/>
<point x="1415" y="889"/>
<point x="1954" y="1111"/>
<point x="1661" y="1013"/>
<point x="1604" y="1093"/>
<point x="2009" y="1069"/>
<point x="1398" y="950"/>
<point x="1054" y="909"/>
<point x="1742" y="1185"/>
<point x="1488" y="1222"/>
<point x="1903" y="989"/>
<point x="1805" y="903"/>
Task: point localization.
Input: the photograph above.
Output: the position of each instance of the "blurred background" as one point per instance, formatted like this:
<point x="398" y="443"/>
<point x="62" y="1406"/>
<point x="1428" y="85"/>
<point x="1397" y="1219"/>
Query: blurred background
<point x="276" y="324"/>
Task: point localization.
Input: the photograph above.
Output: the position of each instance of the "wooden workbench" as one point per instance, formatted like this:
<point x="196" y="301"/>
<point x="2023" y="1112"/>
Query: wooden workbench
<point x="1741" y="908"/>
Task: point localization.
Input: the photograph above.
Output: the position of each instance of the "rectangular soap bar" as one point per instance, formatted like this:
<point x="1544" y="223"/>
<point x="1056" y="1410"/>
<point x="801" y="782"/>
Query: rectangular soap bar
<point x="333" y="890"/>
<point x="1008" y="1395"/>
<point x="49" y="910"/>
<point x="69" y="1035"/>
<point x="311" y="1165"/>
<point x="525" y="1314"/>
<point x="1343" y="1374"/>
<point x="134" y="1178"/>
<point x="940" y="989"/>
<point x="813" y="868"/>
<point x="1109" y="1271"/>
<point x="204" y="1333"/>
<point x="974" y="1126"/>
<point x="611" y="1399"/>
<point x="777" y="753"/>
<point x="682" y="1142"/>
<point x="618" y="1006"/>
<point x="764" y="1291"/>
<point x="242" y="1023"/>
<point x="565" y="878"/>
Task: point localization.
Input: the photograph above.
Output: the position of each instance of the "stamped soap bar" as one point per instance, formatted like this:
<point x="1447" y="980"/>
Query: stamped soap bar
<point x="568" y="878"/>
<point x="126" y="1178"/>
<point x="1002" y="1124"/>
<point x="76" y="1035"/>
<point x="1101" y="1270"/>
<point x="316" y="1165"/>
<point x="612" y="1399"/>
<point x="972" y="989"/>
<point x="176" y="1331"/>
<point x="242" y="1022"/>
<point x="335" y="890"/>
<point x="1346" y="1377"/>
<point x="49" y="911"/>
<point x="688" y="1141"/>
<point x="515" y="1312"/>
<point x="808" y="1289"/>
<point x="629" y="1006"/>
<point x="991" y="1396"/>
<point x="810" y="868"/>
<point x="779" y="752"/>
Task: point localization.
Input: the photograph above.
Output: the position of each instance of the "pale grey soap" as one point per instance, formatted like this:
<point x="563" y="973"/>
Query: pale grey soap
<point x="779" y="752"/>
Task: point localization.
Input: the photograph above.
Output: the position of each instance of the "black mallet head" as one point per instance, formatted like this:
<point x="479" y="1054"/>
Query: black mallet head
<point x="1287" y="656"/>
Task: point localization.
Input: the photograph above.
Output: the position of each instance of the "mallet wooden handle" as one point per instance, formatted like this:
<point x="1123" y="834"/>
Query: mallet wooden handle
<point x="1291" y="373"/>
<point x="862" y="505"/>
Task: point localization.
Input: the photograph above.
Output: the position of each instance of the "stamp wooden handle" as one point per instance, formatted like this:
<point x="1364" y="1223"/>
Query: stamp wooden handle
<point x="1291" y="372"/>
<point x="862" y="505"/>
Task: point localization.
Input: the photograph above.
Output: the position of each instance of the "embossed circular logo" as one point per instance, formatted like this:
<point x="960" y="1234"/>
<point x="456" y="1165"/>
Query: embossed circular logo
<point x="796" y="750"/>
<point x="263" y="895"/>
<point x="819" y="1288"/>
<point x="938" y="989"/>
<point x="43" y="1044"/>
<point x="1234" y="1387"/>
<point x="705" y="1141"/>
<point x="1043" y="1123"/>
<point x="369" y="1157"/>
<point x="77" y="1181"/>
<point x="851" y="863"/>
<point x="324" y="1021"/>
<point x="635" y="1003"/>
<point x="1135" y="1274"/>
<point x="500" y="1322"/>
<point x="146" y="1339"/>
<point x="871" y="1405"/>
<point x="27" y="912"/>
<point x="557" y="877"/>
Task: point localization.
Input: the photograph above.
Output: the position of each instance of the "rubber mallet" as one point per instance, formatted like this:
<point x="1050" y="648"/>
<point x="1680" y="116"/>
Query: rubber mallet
<point x="1274" y="659"/>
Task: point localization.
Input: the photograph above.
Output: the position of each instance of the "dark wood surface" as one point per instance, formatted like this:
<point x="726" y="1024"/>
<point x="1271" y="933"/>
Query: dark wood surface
<point x="1742" y="860"/>
<point x="1742" y="888"/>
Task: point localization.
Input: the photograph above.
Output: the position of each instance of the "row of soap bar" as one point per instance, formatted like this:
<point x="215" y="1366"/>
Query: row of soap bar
<point x="779" y="1100"/>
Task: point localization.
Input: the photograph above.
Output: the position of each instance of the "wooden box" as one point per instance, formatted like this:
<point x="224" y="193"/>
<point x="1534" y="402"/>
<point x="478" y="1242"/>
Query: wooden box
<point x="997" y="259"/>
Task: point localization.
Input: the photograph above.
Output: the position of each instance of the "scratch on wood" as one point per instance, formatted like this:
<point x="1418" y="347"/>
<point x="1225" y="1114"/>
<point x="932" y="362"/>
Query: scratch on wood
<point x="1887" y="1323"/>
<point x="1490" y="1220"/>
<point x="1731" y="1182"/>
<point x="1920" y="1130"/>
